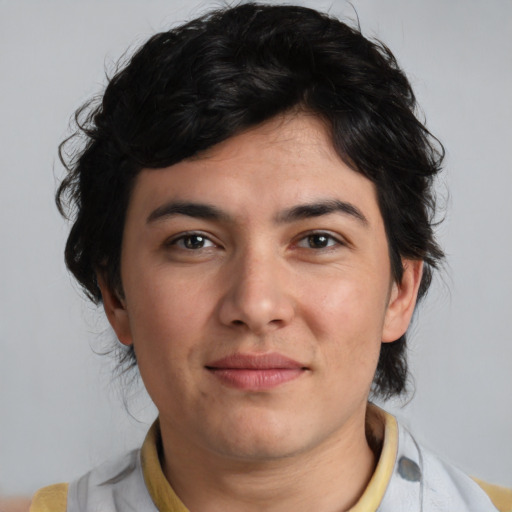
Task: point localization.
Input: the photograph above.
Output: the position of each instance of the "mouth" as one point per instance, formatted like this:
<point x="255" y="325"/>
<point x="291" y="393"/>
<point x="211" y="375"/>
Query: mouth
<point x="256" y="372"/>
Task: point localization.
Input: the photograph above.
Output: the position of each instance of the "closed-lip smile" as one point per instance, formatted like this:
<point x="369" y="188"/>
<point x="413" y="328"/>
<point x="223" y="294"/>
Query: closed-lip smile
<point x="255" y="372"/>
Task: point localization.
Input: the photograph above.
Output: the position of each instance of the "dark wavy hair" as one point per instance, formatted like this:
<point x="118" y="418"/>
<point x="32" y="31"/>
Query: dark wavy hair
<point x="196" y="85"/>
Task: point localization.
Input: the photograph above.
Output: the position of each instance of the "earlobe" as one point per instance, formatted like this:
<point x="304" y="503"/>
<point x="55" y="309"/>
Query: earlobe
<point x="115" y="309"/>
<point x="402" y="301"/>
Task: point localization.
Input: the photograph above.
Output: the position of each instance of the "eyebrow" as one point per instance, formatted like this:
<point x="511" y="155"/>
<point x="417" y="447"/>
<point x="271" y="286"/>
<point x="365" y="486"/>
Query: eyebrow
<point x="299" y="212"/>
<point x="320" y="208"/>
<point x="196" y="210"/>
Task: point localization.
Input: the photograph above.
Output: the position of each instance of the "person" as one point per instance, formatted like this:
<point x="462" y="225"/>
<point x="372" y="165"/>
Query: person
<point x="253" y="205"/>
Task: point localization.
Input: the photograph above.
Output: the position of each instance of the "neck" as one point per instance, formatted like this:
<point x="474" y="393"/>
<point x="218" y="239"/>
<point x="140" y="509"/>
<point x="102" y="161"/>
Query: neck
<point x="330" y="477"/>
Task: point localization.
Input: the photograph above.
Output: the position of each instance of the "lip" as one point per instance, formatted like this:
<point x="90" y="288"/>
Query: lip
<point x="255" y="372"/>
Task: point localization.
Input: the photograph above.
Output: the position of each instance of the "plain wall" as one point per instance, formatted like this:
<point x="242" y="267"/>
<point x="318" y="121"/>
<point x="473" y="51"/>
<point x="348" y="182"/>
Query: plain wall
<point x="61" y="413"/>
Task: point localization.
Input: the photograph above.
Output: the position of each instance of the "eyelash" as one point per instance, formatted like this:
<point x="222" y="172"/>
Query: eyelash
<point x="332" y="241"/>
<point x="184" y="236"/>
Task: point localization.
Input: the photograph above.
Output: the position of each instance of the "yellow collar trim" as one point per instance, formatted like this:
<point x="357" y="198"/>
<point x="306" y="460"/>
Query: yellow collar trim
<point x="374" y="492"/>
<point x="165" y="498"/>
<point x="159" y="488"/>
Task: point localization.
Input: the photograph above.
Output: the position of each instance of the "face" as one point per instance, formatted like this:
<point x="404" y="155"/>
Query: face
<point x="257" y="292"/>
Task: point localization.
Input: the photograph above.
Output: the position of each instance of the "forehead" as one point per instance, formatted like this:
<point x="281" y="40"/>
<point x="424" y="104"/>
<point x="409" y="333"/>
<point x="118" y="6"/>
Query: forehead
<point x="283" y="162"/>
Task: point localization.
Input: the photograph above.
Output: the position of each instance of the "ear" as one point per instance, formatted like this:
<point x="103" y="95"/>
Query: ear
<point x="402" y="301"/>
<point x="115" y="309"/>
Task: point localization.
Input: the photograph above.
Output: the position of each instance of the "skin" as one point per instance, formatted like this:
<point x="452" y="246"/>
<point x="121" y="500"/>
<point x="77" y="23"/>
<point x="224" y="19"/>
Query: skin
<point x="257" y="280"/>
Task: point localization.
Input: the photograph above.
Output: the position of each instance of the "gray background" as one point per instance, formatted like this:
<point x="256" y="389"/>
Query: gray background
<point x="60" y="411"/>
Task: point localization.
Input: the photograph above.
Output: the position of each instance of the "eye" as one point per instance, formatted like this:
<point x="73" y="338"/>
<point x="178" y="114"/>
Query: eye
<point x="192" y="241"/>
<point x="318" y="241"/>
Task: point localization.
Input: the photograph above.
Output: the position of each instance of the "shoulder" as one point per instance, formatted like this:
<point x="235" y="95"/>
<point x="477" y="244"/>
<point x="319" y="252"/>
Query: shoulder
<point x="447" y="484"/>
<point x="500" y="496"/>
<point x="115" y="486"/>
<point x="423" y="481"/>
<point x="50" y="499"/>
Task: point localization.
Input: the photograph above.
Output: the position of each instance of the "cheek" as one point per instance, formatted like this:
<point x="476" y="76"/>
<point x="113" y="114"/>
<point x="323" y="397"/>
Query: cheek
<point x="352" y="308"/>
<point x="167" y="322"/>
<point x="165" y="306"/>
<point x="347" y="320"/>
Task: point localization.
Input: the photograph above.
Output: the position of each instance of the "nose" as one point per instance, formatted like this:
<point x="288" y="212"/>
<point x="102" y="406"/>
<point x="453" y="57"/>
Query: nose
<point x="258" y="295"/>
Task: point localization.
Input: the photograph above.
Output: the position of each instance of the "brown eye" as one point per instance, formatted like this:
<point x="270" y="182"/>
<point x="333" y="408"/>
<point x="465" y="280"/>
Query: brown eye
<point x="193" y="242"/>
<point x="318" y="241"/>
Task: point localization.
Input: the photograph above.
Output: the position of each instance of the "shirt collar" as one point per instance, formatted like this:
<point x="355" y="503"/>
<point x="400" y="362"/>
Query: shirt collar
<point x="382" y="425"/>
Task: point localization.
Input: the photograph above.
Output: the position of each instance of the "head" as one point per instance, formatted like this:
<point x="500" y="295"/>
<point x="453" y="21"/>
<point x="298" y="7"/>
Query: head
<point x="199" y="85"/>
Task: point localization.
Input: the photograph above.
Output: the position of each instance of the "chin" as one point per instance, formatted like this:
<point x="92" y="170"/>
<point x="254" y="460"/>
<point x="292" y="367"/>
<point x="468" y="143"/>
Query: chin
<point x="264" y="450"/>
<point x="260" y="441"/>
